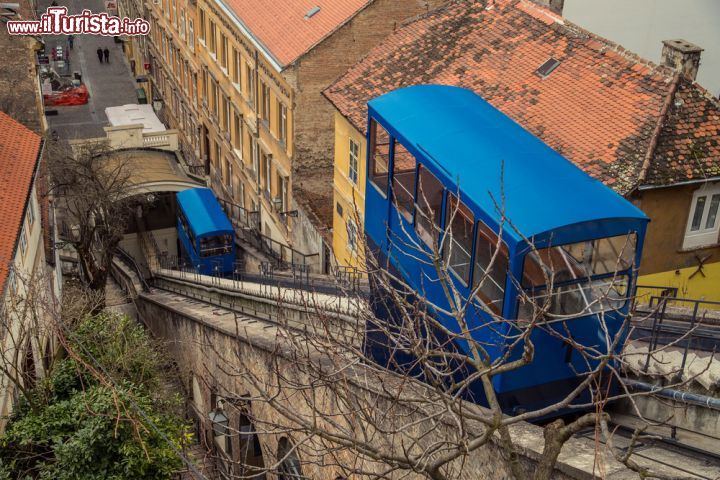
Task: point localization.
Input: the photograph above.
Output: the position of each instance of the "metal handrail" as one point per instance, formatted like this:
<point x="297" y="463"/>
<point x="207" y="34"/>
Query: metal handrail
<point x="659" y="316"/>
<point x="284" y="255"/>
<point x="130" y="261"/>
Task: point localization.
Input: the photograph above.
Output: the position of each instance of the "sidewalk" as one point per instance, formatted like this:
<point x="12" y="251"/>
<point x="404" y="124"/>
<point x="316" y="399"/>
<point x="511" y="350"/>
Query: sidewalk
<point x="109" y="84"/>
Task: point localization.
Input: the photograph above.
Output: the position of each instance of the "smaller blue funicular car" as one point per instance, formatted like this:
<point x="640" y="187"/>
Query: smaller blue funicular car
<point x="446" y="168"/>
<point x="206" y="236"/>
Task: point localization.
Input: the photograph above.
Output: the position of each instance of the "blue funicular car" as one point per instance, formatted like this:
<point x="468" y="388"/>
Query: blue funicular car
<point x="446" y="166"/>
<point x="207" y="238"/>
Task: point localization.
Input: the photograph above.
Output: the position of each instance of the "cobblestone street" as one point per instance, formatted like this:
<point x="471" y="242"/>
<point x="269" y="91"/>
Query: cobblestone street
<point x="108" y="84"/>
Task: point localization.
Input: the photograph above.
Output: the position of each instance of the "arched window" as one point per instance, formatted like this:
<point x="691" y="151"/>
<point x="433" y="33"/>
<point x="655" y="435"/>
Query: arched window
<point x="251" y="458"/>
<point x="289" y="461"/>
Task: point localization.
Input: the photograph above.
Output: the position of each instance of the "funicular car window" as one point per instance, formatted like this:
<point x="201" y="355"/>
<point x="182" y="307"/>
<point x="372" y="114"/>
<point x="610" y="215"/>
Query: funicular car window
<point x="186" y="228"/>
<point x="429" y="206"/>
<point x="458" y="245"/>
<point x="379" y="157"/>
<point x="491" y="268"/>
<point x="404" y="166"/>
<point x="572" y="270"/>
<point x="216" y="245"/>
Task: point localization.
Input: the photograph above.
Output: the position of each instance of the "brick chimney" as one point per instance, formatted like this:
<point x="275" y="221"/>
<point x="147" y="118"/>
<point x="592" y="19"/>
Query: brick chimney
<point x="682" y="56"/>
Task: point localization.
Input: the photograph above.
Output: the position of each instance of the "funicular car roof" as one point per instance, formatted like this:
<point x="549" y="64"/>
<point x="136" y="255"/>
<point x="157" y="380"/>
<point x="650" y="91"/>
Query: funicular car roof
<point x="497" y="164"/>
<point x="203" y="212"/>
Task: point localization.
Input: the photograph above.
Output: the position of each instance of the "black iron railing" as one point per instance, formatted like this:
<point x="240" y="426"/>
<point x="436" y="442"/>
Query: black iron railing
<point x="684" y="323"/>
<point x="247" y="226"/>
<point x="297" y="276"/>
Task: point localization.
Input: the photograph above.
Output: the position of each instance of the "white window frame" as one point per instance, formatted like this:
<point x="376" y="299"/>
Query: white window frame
<point x="31" y="213"/>
<point x="352" y="233"/>
<point x="191" y="34"/>
<point x="182" y="23"/>
<point x="255" y="154"/>
<point x="283" y="123"/>
<point x="704" y="235"/>
<point x="268" y="174"/>
<point x="229" y="180"/>
<point x="353" y="161"/>
<point x="23" y="241"/>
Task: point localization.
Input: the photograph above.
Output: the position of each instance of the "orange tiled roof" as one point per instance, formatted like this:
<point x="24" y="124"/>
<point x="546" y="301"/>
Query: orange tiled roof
<point x="282" y="27"/>
<point x="599" y="107"/>
<point x="19" y="151"/>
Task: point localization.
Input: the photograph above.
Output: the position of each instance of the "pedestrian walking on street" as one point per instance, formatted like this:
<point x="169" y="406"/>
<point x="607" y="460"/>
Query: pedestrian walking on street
<point x="71" y="40"/>
<point x="106" y="52"/>
<point x="99" y="54"/>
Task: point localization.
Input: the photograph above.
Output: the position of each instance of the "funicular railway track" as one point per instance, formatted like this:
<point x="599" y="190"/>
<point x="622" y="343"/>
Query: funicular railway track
<point x="657" y="448"/>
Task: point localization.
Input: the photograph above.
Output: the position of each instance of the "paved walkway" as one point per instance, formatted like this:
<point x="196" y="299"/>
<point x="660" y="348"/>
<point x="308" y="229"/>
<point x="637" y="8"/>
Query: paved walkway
<point x="109" y="84"/>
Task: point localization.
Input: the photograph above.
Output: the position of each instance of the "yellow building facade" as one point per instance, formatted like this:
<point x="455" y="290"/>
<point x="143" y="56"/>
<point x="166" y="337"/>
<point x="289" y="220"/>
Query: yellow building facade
<point x="230" y="104"/>
<point x="349" y="194"/>
<point x="247" y="114"/>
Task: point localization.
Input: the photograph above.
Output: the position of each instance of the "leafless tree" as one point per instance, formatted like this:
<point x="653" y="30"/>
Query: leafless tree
<point x="92" y="186"/>
<point x="325" y="390"/>
<point x="26" y="323"/>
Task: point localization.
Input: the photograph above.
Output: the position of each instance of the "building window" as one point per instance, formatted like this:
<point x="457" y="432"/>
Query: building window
<point x="213" y="43"/>
<point x="23" y="241"/>
<point x="250" y="84"/>
<point x="191" y="34"/>
<point x="267" y="172"/>
<point x="255" y="160"/>
<point x="205" y="88"/>
<point x="201" y="20"/>
<point x="282" y="123"/>
<point x="352" y="231"/>
<point x="237" y="132"/>
<point x="228" y="178"/>
<point x="236" y="67"/>
<point x="265" y="112"/>
<point x="703" y="224"/>
<point x="216" y="98"/>
<point x="226" y="114"/>
<point x="31" y="212"/>
<point x="224" y="52"/>
<point x="182" y="24"/>
<point x="283" y="194"/>
<point x="353" y="165"/>
<point x="193" y="87"/>
<point x="12" y="285"/>
<point x="289" y="461"/>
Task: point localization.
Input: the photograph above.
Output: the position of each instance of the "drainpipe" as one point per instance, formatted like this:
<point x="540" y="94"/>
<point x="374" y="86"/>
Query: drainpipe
<point x="676" y="395"/>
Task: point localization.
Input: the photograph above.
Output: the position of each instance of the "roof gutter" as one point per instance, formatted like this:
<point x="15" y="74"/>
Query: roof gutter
<point x="669" y="98"/>
<point x="248" y="33"/>
<point x="677" y="184"/>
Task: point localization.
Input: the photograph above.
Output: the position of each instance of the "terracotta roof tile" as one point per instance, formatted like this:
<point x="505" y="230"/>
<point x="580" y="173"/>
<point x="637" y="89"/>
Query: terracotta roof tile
<point x="599" y="107"/>
<point x="19" y="151"/>
<point x="281" y="25"/>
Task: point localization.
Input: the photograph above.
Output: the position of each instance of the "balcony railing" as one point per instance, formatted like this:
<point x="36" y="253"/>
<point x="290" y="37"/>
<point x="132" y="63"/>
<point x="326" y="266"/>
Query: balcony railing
<point x="132" y="136"/>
